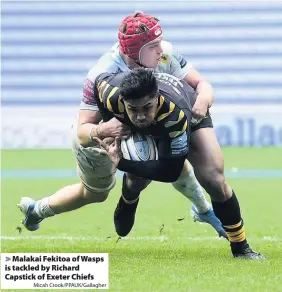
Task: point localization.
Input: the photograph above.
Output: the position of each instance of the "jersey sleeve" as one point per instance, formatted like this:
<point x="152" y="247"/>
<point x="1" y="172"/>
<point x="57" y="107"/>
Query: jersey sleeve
<point x="163" y="170"/>
<point x="177" y="143"/>
<point x="175" y="124"/>
<point x="88" y="100"/>
<point x="107" y="95"/>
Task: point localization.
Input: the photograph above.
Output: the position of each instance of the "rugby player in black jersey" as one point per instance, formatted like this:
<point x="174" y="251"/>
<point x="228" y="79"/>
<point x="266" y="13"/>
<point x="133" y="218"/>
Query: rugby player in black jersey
<point x="160" y="105"/>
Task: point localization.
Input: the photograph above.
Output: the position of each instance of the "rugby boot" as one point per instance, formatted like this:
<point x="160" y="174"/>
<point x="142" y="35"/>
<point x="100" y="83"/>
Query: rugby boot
<point x="124" y="216"/>
<point x="210" y="218"/>
<point x="31" y="220"/>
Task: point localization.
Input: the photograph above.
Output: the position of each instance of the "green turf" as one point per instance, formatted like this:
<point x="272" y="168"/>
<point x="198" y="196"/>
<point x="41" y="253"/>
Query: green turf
<point x="187" y="258"/>
<point x="255" y="158"/>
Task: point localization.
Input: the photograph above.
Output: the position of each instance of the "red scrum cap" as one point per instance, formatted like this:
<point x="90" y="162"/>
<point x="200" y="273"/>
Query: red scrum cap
<point x="136" y="31"/>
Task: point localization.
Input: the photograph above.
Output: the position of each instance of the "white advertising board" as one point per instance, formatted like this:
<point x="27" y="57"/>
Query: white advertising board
<point x="49" y="127"/>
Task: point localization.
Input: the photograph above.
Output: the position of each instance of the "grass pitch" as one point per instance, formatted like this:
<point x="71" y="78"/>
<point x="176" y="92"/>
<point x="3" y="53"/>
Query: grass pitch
<point x="162" y="252"/>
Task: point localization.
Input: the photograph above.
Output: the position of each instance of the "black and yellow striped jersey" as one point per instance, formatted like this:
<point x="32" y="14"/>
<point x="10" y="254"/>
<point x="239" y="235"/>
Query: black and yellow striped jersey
<point x="171" y="126"/>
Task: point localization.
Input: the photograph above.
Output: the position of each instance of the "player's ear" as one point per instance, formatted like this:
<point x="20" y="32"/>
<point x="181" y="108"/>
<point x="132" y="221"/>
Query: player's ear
<point x="156" y="97"/>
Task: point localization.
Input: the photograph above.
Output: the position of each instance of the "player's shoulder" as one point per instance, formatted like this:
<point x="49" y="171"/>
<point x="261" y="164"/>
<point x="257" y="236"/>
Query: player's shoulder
<point x="109" y="62"/>
<point x="108" y="88"/>
<point x="103" y="65"/>
<point x="110" y="79"/>
<point x="172" y="119"/>
<point x="169" y="110"/>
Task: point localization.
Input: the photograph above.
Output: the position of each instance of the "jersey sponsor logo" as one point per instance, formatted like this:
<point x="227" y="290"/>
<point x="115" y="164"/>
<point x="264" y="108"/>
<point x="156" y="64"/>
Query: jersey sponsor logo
<point x="179" y="145"/>
<point x="179" y="142"/>
<point x="164" y="58"/>
<point x="183" y="63"/>
<point x="169" y="79"/>
<point x="180" y="152"/>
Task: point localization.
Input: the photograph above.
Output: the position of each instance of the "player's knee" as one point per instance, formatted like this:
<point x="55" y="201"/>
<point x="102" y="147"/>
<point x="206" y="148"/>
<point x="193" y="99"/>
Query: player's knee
<point x="136" y="184"/>
<point x="187" y="180"/>
<point x="102" y="197"/>
<point x="217" y="178"/>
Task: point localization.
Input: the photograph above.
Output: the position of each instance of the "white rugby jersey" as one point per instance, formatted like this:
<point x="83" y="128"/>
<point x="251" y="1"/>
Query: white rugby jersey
<point x="171" y="62"/>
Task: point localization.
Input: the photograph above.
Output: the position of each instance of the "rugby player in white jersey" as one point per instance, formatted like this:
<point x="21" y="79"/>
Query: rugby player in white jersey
<point x="140" y="44"/>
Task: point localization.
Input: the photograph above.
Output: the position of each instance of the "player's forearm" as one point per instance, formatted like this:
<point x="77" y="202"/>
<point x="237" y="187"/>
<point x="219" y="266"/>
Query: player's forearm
<point x="88" y="125"/>
<point x="164" y="170"/>
<point x="205" y="91"/>
<point x="86" y="132"/>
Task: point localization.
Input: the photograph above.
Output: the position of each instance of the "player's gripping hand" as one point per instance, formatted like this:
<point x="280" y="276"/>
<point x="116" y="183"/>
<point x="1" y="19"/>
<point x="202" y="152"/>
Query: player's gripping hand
<point x="112" y="145"/>
<point x="114" y="128"/>
<point x="200" y="108"/>
<point x="114" y="151"/>
<point x="98" y="149"/>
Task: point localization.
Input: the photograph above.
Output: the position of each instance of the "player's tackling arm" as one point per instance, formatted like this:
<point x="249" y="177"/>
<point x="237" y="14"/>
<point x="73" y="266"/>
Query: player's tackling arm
<point x="88" y="127"/>
<point x="205" y="94"/>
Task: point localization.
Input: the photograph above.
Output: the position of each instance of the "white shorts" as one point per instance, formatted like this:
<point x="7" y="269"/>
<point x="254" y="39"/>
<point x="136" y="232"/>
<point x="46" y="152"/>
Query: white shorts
<point x="97" y="172"/>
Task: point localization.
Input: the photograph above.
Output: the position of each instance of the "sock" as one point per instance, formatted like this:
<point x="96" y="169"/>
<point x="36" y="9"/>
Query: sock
<point x="129" y="197"/>
<point x="229" y="214"/>
<point x="188" y="186"/>
<point x="42" y="208"/>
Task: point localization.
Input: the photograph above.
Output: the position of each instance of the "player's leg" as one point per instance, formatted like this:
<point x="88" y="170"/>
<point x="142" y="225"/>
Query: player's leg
<point x="207" y="160"/>
<point x="64" y="200"/>
<point x="188" y="185"/>
<point x="73" y="197"/>
<point x="97" y="175"/>
<point x="125" y="211"/>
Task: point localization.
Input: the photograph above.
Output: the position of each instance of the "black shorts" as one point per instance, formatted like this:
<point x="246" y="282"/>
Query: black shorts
<point x="206" y="122"/>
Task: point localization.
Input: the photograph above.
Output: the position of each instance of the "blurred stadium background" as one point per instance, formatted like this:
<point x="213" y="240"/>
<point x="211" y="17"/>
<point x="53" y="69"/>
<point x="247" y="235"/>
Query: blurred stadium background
<point x="48" y="48"/>
<point x="237" y="46"/>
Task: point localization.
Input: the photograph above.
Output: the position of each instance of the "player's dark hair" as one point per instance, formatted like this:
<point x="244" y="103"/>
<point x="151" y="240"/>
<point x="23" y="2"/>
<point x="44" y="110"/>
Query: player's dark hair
<point x="138" y="83"/>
